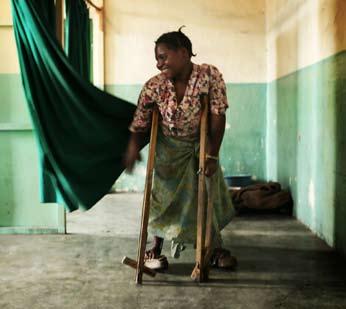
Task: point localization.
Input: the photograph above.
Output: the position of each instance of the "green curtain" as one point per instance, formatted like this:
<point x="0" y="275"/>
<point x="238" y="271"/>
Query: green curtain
<point x="81" y="130"/>
<point x="77" y="39"/>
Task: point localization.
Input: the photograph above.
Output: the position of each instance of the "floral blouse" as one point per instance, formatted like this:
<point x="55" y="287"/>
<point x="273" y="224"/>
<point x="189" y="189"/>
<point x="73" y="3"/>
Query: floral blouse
<point x="180" y="119"/>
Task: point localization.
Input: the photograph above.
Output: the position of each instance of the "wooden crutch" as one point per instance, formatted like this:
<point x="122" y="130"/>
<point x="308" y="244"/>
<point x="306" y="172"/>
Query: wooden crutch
<point x="139" y="264"/>
<point x="208" y="250"/>
<point x="204" y="226"/>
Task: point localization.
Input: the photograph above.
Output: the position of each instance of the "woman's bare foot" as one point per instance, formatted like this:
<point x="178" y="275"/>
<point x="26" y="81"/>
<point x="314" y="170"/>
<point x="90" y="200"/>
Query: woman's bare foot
<point x="155" y="251"/>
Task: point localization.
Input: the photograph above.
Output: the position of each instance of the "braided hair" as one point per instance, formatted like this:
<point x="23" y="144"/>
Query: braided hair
<point x="175" y="40"/>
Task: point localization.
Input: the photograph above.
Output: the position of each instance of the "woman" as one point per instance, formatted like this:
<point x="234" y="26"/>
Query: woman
<point x="176" y="92"/>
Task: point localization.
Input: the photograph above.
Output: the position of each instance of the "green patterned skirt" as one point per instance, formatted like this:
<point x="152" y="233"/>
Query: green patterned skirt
<point x="173" y="210"/>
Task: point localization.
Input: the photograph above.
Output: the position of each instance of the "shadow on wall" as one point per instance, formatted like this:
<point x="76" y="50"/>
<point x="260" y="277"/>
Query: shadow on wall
<point x="6" y="153"/>
<point x="340" y="127"/>
<point x="285" y="98"/>
<point x="6" y="180"/>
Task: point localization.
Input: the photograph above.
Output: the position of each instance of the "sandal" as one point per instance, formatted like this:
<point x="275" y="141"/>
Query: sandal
<point x="222" y="258"/>
<point x="158" y="264"/>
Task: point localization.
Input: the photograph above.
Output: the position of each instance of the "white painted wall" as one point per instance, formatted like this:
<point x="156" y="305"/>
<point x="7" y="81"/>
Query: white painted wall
<point x="228" y="34"/>
<point x="302" y="32"/>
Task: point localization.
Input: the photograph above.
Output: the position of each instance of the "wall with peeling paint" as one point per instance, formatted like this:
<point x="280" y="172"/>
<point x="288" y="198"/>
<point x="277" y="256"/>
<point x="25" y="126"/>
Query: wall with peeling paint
<point x="20" y="207"/>
<point x="229" y="34"/>
<point x="306" y="98"/>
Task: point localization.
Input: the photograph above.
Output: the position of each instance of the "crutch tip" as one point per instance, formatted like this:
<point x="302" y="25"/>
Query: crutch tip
<point x="199" y="275"/>
<point x="124" y="260"/>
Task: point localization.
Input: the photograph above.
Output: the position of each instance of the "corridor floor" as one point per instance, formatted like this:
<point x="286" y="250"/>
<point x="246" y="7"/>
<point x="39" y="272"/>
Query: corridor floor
<point x="281" y="265"/>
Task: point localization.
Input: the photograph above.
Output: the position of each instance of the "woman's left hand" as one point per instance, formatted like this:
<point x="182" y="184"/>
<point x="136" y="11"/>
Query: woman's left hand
<point x="210" y="167"/>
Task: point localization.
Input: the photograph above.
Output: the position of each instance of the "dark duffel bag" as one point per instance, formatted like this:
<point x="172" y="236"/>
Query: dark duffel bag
<point x="260" y="196"/>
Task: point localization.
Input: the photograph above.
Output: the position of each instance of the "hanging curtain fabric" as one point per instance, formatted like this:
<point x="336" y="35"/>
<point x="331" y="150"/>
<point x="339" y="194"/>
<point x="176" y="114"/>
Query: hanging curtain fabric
<point x="77" y="36"/>
<point x="82" y="131"/>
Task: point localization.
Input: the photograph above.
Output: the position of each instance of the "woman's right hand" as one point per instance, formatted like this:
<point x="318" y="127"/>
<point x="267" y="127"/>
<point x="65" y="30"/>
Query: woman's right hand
<point x="132" y="153"/>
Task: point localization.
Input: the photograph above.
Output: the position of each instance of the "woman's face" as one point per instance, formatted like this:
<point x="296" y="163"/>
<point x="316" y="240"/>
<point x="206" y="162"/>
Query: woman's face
<point x="169" y="61"/>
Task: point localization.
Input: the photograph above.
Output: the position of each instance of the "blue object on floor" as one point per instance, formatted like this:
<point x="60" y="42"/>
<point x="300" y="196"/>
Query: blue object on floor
<point x="238" y="180"/>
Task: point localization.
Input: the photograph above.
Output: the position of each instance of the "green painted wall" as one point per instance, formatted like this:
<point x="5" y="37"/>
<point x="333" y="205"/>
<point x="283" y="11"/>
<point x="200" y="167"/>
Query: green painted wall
<point x="12" y="101"/>
<point x="243" y="148"/>
<point x="20" y="208"/>
<point x="306" y="144"/>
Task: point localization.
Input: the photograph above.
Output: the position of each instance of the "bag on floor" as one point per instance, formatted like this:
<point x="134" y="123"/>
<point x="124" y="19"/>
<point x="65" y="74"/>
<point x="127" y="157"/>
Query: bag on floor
<point x="262" y="196"/>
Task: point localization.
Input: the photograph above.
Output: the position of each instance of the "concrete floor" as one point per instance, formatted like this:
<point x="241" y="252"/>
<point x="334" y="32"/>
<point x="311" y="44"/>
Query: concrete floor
<point x="281" y="265"/>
